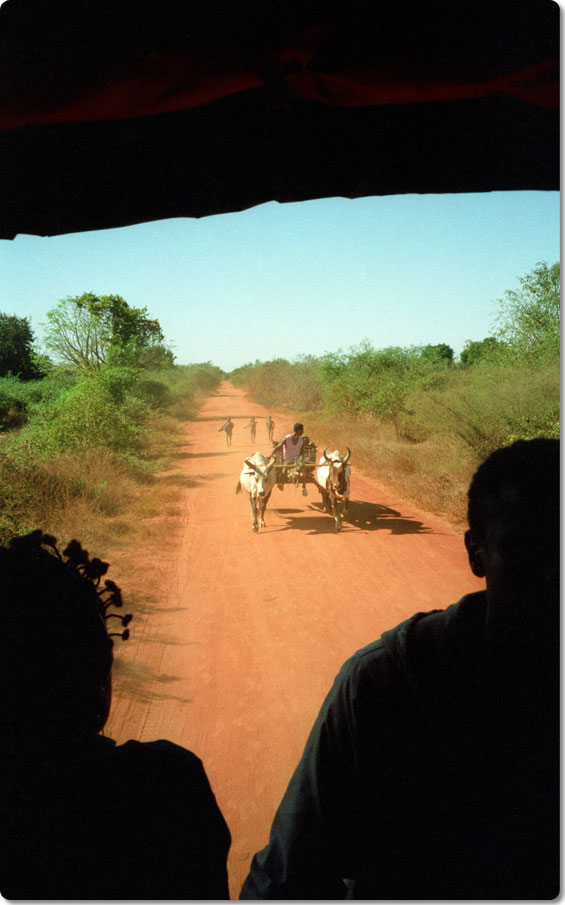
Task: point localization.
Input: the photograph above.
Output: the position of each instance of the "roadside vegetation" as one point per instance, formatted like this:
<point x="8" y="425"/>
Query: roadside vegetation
<point x="415" y="417"/>
<point x="89" y="427"/>
<point x="85" y="435"/>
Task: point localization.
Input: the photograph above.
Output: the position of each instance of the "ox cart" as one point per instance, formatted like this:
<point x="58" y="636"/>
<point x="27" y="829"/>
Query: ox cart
<point x="303" y="471"/>
<point x="330" y="475"/>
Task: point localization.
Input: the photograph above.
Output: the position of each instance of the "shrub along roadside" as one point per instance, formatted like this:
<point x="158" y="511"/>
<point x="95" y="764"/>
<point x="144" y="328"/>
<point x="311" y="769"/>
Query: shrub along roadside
<point x="88" y="454"/>
<point x="428" y="448"/>
<point x="434" y="474"/>
<point x="415" y="418"/>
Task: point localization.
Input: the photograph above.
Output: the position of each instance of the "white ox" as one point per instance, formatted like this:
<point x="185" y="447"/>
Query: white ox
<point x="333" y="475"/>
<point x="258" y="479"/>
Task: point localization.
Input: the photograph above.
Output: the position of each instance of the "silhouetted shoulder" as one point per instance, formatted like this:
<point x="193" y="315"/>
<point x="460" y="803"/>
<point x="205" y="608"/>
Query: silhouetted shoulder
<point x="137" y="820"/>
<point x="153" y="756"/>
<point x="421" y="650"/>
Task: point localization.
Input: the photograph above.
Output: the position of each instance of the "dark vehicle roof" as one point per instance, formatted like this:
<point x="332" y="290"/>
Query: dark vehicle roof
<point x="121" y="111"/>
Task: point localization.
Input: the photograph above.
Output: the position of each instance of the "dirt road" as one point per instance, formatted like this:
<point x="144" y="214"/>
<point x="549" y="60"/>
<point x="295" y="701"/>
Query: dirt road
<point x="233" y="657"/>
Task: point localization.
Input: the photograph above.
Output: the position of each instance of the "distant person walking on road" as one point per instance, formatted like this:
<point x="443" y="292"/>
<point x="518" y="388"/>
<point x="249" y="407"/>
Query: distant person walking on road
<point x="270" y="428"/>
<point x="253" y="425"/>
<point x="227" y="426"/>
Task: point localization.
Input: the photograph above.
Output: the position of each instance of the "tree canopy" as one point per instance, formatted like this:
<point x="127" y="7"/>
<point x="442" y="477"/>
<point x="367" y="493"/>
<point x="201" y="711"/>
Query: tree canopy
<point x="440" y="353"/>
<point x="83" y="331"/>
<point x="17" y="355"/>
<point x="480" y="350"/>
<point x="529" y="317"/>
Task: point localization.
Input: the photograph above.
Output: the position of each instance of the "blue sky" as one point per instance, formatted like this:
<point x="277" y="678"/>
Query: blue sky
<point x="305" y="278"/>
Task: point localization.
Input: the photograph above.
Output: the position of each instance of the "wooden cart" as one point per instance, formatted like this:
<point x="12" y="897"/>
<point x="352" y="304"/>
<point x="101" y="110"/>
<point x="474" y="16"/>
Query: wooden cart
<point x="303" y="471"/>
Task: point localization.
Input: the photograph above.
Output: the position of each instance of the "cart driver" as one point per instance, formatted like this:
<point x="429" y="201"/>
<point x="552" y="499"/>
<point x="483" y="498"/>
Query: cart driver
<point x="291" y="446"/>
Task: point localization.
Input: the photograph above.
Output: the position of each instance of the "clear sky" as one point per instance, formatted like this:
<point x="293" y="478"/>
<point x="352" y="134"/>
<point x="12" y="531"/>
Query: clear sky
<point x="283" y="280"/>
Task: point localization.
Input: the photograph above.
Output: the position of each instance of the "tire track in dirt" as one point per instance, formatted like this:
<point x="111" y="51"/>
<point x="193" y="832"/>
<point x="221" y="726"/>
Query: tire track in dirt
<point x="235" y="653"/>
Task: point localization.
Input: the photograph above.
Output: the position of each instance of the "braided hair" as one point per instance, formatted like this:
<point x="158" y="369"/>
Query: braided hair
<point x="56" y="651"/>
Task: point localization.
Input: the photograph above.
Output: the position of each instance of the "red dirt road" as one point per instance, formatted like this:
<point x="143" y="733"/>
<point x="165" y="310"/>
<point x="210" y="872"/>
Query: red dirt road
<point x="236" y="655"/>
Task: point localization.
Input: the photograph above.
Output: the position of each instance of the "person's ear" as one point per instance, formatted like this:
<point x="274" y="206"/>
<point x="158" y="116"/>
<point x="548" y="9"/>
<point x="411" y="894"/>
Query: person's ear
<point x="475" y="554"/>
<point x="103" y="702"/>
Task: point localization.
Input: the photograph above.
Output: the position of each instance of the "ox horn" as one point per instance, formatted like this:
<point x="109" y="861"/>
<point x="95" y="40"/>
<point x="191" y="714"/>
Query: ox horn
<point x="325" y="456"/>
<point x="252" y="466"/>
<point x="346" y="460"/>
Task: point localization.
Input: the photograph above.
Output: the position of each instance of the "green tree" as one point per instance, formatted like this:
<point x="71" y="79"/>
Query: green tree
<point x="370" y="381"/>
<point x="17" y="355"/>
<point x="529" y="317"/>
<point x="439" y="354"/>
<point x="83" y="331"/>
<point x="481" y="350"/>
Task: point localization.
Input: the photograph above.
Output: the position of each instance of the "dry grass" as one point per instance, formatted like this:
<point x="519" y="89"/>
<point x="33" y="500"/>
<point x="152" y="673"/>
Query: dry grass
<point x="112" y="507"/>
<point x="126" y="507"/>
<point x="63" y="492"/>
<point x="433" y="474"/>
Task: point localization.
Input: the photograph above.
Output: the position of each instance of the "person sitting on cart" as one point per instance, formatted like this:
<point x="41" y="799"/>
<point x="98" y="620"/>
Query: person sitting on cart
<point x="292" y="446"/>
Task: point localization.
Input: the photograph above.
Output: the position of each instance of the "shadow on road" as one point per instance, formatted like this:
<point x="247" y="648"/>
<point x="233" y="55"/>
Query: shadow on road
<point x="373" y="517"/>
<point x="213" y="476"/>
<point x="148" y="609"/>
<point x="361" y="515"/>
<point x="223" y="417"/>
<point x="311" y="524"/>
<point x="196" y="480"/>
<point x="188" y="455"/>
<point x="226" y="395"/>
<point x="144" y="684"/>
<point x="164" y="639"/>
<point x="178" y="480"/>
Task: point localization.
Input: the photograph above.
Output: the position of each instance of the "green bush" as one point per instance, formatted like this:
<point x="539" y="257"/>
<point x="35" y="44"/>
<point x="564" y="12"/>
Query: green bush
<point x="13" y="405"/>
<point x="178" y="390"/>
<point x="280" y="382"/>
<point x="21" y="400"/>
<point x="154" y="394"/>
<point x="85" y="416"/>
<point x="488" y="407"/>
<point x="376" y="382"/>
<point x="85" y="435"/>
<point x="490" y="401"/>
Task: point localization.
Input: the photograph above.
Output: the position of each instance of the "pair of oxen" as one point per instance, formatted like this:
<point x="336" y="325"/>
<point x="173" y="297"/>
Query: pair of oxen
<point x="258" y="477"/>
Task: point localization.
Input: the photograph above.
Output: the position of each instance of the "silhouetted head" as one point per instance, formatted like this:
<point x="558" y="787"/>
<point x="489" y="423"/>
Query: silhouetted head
<point x="513" y="536"/>
<point x="56" y="651"/>
<point x="298" y="428"/>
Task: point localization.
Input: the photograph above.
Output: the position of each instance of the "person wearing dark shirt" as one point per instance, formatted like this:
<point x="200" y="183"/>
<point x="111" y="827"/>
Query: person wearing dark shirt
<point x="227" y="426"/>
<point x="83" y="817"/>
<point x="432" y="770"/>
